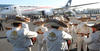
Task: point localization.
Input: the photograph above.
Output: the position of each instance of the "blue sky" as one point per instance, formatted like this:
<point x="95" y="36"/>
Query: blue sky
<point x="54" y="3"/>
<point x="34" y="2"/>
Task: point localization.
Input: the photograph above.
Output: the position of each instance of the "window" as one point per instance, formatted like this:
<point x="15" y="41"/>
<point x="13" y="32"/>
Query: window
<point x="6" y="8"/>
<point x="14" y="7"/>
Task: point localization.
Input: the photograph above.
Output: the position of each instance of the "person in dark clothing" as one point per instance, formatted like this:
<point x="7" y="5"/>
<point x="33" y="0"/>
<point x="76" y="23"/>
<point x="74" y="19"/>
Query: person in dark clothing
<point x="1" y="27"/>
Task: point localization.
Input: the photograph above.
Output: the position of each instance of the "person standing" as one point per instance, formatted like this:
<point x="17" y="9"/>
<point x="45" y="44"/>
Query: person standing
<point x="1" y="27"/>
<point x="41" y="30"/>
<point x="82" y="29"/>
<point x="19" y="37"/>
<point x="56" y="39"/>
<point x="93" y="40"/>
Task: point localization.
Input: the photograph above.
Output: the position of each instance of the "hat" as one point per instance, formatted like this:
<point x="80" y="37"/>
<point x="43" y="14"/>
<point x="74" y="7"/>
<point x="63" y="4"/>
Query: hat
<point x="14" y="22"/>
<point x="19" y="19"/>
<point x="22" y="18"/>
<point x="38" y="22"/>
<point x="54" y="22"/>
<point x="90" y="23"/>
<point x="97" y="26"/>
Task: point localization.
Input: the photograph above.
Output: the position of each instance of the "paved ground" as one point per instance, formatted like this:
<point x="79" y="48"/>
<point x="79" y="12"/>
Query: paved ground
<point x="5" y="46"/>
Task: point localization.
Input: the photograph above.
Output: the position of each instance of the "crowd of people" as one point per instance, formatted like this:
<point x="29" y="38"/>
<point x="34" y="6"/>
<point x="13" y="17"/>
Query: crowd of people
<point x="54" y="35"/>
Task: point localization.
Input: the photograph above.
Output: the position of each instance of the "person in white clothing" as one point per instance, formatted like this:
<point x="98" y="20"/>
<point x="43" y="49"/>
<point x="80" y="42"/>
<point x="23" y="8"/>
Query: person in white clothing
<point x="56" y="39"/>
<point x="82" y="29"/>
<point x="93" y="40"/>
<point x="20" y="38"/>
<point x="40" y="30"/>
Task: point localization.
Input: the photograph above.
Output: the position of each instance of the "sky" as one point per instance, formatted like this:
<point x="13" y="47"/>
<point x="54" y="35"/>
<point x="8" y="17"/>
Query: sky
<point x="53" y="3"/>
